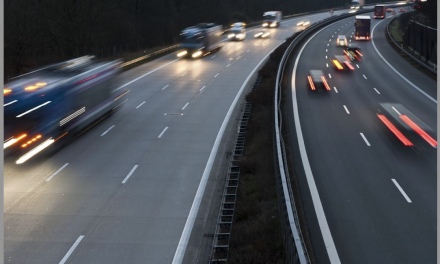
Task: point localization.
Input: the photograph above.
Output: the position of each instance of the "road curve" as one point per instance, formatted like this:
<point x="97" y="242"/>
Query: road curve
<point x="122" y="192"/>
<point x="379" y="197"/>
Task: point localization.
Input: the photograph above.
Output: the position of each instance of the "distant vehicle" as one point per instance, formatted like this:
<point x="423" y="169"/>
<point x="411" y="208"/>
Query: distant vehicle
<point x="303" y="24"/>
<point x="272" y="19"/>
<point x="362" y="27"/>
<point x="317" y="80"/>
<point x="341" y="41"/>
<point x="389" y="10"/>
<point x="237" y="31"/>
<point x="342" y="62"/>
<point x="416" y="6"/>
<point x="353" y="52"/>
<point x="357" y="4"/>
<point x="401" y="10"/>
<point x="379" y="11"/>
<point x="200" y="40"/>
<point x="46" y="108"/>
<point x="262" y="34"/>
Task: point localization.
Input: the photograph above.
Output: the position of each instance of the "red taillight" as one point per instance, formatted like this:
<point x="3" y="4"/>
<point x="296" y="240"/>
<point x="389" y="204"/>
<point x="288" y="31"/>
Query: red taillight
<point x="419" y="131"/>
<point x="86" y="79"/>
<point x="349" y="65"/>
<point x="395" y="131"/>
<point x="312" y="86"/>
<point x="325" y="83"/>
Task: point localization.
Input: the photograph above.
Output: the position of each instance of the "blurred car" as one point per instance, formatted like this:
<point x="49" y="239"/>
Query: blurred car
<point x="303" y="24"/>
<point x="417" y="6"/>
<point x="237" y="31"/>
<point x="341" y="41"/>
<point x="353" y="52"/>
<point x="262" y="34"/>
<point x="407" y="127"/>
<point x="389" y="10"/>
<point x="317" y="80"/>
<point x="401" y="10"/>
<point x="342" y="62"/>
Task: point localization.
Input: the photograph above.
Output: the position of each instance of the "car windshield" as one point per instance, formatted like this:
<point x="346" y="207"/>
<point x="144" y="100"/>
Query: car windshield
<point x="269" y="17"/>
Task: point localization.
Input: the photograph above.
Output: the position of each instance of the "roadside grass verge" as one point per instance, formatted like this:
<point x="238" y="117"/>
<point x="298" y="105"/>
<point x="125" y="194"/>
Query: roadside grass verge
<point x="256" y="235"/>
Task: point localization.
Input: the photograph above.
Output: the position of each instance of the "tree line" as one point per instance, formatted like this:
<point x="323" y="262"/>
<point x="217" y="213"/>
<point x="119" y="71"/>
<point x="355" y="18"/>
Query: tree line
<point x="41" y="32"/>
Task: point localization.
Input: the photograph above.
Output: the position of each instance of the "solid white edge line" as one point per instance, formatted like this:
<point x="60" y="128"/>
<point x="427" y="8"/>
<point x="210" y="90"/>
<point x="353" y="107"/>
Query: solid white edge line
<point x="183" y="108"/>
<point x="140" y="105"/>
<point x="322" y="220"/>
<point x="107" y="130"/>
<point x="365" y="139"/>
<point x="401" y="191"/>
<point x="129" y="174"/>
<point x="413" y="85"/>
<point x="346" y="109"/>
<point x="142" y="76"/>
<point x="55" y="173"/>
<point x="71" y="249"/>
<point x="376" y="90"/>
<point x="183" y="242"/>
<point x="161" y="134"/>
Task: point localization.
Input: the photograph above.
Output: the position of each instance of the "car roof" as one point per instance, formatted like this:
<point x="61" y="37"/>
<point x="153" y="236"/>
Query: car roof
<point x="238" y="24"/>
<point x="353" y="46"/>
<point x="342" y="36"/>
<point x="316" y="75"/>
<point x="341" y="58"/>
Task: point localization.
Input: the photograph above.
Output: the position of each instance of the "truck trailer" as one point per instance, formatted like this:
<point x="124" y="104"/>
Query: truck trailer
<point x="380" y="11"/>
<point x="272" y="19"/>
<point x="362" y="27"/>
<point x="200" y="40"/>
<point x="46" y="108"/>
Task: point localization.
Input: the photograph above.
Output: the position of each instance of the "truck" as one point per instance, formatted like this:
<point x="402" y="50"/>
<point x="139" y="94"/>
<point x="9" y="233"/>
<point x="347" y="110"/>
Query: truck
<point x="47" y="108"/>
<point x="272" y="19"/>
<point x="380" y="11"/>
<point x="357" y="4"/>
<point x="200" y="40"/>
<point x="362" y="27"/>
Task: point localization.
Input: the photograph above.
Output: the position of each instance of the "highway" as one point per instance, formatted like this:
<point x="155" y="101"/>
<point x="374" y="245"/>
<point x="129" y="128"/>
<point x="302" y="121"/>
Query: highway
<point x="132" y="188"/>
<point x="378" y="197"/>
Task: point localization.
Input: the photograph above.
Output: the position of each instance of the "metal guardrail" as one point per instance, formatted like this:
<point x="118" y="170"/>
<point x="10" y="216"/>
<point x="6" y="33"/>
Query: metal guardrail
<point x="293" y="240"/>
<point x="133" y="63"/>
<point x="431" y="68"/>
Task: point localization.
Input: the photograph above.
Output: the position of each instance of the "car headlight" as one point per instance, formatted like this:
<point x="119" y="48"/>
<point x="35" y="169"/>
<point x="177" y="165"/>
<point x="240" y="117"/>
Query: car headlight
<point x="240" y="35"/>
<point x="265" y="24"/>
<point x="273" y="24"/>
<point x="231" y="35"/>
<point x="197" y="54"/>
<point x="258" y="34"/>
<point x="182" y="53"/>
